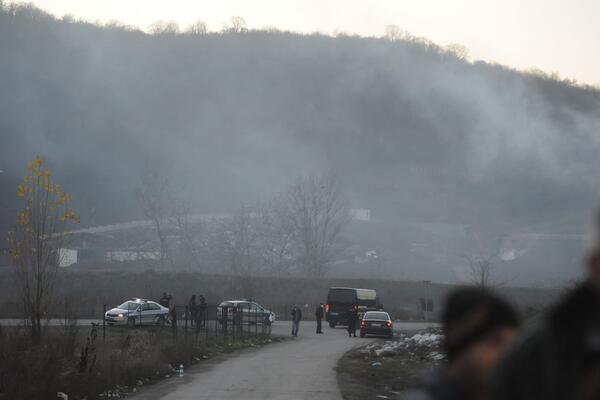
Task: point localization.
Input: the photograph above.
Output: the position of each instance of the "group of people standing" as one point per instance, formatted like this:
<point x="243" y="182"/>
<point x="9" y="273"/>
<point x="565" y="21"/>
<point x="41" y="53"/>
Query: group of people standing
<point x="296" y="313"/>
<point x="197" y="308"/>
<point x="297" y="317"/>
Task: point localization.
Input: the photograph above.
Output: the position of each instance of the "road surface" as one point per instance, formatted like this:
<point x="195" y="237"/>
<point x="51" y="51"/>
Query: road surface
<point x="296" y="369"/>
<point x="278" y="328"/>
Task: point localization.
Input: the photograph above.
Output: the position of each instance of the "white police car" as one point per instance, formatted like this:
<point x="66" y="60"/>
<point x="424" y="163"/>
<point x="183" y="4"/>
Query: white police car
<point x="137" y="312"/>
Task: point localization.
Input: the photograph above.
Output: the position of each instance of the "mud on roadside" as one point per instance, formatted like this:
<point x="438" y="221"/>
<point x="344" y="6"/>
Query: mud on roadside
<point x="386" y="368"/>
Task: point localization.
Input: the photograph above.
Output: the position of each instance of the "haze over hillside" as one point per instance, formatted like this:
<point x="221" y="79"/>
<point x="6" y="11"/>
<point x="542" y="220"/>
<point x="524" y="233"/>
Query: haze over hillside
<point x="414" y="133"/>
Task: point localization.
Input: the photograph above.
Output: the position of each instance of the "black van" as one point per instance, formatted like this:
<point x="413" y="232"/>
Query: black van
<point x="340" y="299"/>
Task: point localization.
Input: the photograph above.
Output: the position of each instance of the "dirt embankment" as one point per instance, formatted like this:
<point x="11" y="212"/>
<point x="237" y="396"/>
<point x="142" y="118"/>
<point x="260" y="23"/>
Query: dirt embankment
<point x="387" y="368"/>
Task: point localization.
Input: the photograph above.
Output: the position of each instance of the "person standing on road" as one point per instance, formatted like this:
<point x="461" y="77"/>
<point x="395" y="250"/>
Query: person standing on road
<point x="173" y="317"/>
<point x="202" y="310"/>
<point x="296" y="318"/>
<point x="352" y="317"/>
<point x="319" y="316"/>
<point x="478" y="328"/>
<point x="192" y="309"/>
<point x="165" y="300"/>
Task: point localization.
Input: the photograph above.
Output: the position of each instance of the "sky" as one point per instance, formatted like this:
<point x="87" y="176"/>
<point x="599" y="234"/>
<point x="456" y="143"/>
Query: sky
<point x="556" y="36"/>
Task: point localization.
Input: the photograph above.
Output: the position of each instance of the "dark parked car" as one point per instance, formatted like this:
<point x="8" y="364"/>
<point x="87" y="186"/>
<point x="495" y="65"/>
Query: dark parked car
<point x="376" y="323"/>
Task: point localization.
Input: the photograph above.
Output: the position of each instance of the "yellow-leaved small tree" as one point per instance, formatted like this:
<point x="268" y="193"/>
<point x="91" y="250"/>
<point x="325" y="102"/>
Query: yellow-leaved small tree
<point x="37" y="238"/>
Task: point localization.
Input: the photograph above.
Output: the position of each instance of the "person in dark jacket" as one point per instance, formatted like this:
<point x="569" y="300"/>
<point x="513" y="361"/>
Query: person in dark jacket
<point x="352" y="319"/>
<point x="296" y="318"/>
<point x="202" y="308"/>
<point x="319" y="312"/>
<point x="192" y="309"/>
<point x="478" y="327"/>
<point x="165" y="300"/>
<point x="559" y="358"/>
<point x="173" y="318"/>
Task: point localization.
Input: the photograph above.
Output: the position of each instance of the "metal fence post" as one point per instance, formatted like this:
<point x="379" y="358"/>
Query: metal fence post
<point x="206" y="327"/>
<point x="186" y="321"/>
<point x="104" y="322"/>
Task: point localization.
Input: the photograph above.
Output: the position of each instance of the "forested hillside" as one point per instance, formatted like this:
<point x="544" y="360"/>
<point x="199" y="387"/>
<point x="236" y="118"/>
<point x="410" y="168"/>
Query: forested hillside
<point x="415" y="133"/>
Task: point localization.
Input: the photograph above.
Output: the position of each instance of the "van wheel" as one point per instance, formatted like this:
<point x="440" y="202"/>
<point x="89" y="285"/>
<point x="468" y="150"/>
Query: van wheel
<point x="131" y="322"/>
<point x="332" y="324"/>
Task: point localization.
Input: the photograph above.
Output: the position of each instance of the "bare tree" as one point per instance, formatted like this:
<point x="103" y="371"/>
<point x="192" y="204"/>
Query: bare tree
<point x="319" y="213"/>
<point x="458" y="50"/>
<point x="393" y="33"/>
<point x="238" y="25"/>
<point x="35" y="244"/>
<point x="276" y="233"/>
<point x="480" y="269"/>
<point x="154" y="195"/>
<point x="116" y="24"/>
<point x="197" y="28"/>
<point x="244" y="242"/>
<point x="164" y="28"/>
<point x="189" y="233"/>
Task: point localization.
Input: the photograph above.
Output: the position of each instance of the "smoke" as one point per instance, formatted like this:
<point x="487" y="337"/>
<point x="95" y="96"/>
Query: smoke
<point x="413" y="132"/>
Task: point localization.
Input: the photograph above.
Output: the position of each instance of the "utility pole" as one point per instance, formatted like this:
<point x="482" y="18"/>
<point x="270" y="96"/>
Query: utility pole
<point x="426" y="284"/>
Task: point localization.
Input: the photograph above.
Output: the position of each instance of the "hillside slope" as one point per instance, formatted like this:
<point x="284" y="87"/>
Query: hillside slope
<point x="415" y="133"/>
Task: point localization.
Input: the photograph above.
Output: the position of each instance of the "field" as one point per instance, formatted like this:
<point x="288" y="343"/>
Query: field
<point x="82" y="293"/>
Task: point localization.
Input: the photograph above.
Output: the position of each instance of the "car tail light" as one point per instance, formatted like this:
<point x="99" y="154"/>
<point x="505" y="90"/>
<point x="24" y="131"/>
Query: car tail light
<point x="389" y="324"/>
<point x="327" y="307"/>
<point x="363" y="323"/>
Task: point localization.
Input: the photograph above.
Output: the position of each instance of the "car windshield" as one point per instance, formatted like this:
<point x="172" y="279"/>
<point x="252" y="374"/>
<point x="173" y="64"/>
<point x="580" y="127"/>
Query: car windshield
<point x="129" y="305"/>
<point x="377" y="316"/>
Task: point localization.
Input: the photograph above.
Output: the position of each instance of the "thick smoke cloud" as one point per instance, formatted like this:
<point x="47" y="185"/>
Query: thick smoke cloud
<point x="414" y="133"/>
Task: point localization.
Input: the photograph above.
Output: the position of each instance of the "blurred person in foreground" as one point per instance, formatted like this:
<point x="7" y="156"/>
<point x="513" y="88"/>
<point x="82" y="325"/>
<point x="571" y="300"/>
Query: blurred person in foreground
<point x="478" y="327"/>
<point x="559" y="358"/>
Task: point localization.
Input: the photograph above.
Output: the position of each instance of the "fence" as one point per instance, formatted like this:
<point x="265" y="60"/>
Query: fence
<point x="204" y="325"/>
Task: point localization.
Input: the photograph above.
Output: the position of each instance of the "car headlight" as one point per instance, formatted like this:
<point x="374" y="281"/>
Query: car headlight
<point x="120" y="315"/>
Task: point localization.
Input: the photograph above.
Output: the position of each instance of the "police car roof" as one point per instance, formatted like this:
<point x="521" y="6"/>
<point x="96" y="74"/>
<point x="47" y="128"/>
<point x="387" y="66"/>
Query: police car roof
<point x="138" y="300"/>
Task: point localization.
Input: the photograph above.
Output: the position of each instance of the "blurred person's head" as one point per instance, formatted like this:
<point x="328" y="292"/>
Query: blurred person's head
<point x="593" y="254"/>
<point x="478" y="327"/>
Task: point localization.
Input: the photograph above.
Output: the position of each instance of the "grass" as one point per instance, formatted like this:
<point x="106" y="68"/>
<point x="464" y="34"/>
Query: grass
<point x="80" y="362"/>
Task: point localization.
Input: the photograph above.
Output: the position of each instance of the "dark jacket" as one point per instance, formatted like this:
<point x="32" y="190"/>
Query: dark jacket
<point x="296" y="314"/>
<point x="319" y="312"/>
<point x="560" y="357"/>
<point x="352" y="316"/>
<point x="165" y="301"/>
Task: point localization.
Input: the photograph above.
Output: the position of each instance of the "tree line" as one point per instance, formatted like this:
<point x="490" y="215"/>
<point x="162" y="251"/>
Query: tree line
<point x="298" y="231"/>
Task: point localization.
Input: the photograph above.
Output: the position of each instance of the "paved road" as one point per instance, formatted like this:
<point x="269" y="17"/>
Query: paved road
<point x="279" y="327"/>
<point x="300" y="368"/>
